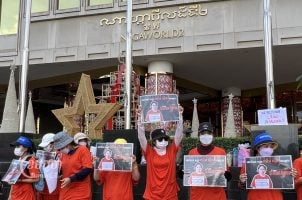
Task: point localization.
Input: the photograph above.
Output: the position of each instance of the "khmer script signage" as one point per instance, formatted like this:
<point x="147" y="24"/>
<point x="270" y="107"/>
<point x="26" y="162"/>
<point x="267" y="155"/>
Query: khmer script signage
<point x="149" y="22"/>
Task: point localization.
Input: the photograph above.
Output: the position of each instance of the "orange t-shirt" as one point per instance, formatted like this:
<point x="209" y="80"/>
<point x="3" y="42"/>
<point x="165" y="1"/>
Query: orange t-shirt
<point x="161" y="174"/>
<point x="262" y="194"/>
<point x="298" y="167"/>
<point x="116" y="185"/>
<point x="25" y="191"/>
<point x="72" y="164"/>
<point x="213" y="193"/>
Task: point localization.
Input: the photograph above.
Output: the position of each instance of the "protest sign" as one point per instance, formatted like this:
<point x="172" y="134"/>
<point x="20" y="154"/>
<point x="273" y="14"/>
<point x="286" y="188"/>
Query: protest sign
<point x="276" y="116"/>
<point x="159" y="108"/>
<point x="204" y="170"/>
<point x="44" y="156"/>
<point x="269" y="172"/>
<point x="114" y="157"/>
<point x="14" y="171"/>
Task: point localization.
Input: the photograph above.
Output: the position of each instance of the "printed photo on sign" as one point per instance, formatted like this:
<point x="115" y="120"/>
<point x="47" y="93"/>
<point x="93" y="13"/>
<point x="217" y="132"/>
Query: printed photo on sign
<point x="204" y="171"/>
<point x="45" y="155"/>
<point x="159" y="108"/>
<point x="114" y="157"/>
<point x="272" y="172"/>
<point x="14" y="171"/>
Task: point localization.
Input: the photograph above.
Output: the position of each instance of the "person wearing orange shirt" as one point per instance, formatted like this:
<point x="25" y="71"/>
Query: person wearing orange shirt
<point x="198" y="177"/>
<point x="264" y="145"/>
<point x="76" y="167"/>
<point x="47" y="144"/>
<point x="262" y="180"/>
<point x="205" y="147"/>
<point x="298" y="179"/>
<point x="23" y="189"/>
<point x="154" y="115"/>
<point x="107" y="163"/>
<point x="117" y="185"/>
<point x="161" y="160"/>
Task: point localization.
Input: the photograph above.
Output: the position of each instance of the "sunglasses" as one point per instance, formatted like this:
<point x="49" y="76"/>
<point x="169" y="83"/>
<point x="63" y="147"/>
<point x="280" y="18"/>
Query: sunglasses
<point x="162" y="138"/>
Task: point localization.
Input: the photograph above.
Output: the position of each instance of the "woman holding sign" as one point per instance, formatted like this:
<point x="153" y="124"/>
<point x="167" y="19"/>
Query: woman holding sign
<point x="161" y="160"/>
<point x="23" y="189"/>
<point x="264" y="146"/>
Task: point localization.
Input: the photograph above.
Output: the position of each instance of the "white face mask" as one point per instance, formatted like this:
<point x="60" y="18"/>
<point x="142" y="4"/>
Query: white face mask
<point x="83" y="143"/>
<point x="161" y="144"/>
<point x="18" y="151"/>
<point x="65" y="150"/>
<point x="266" y="151"/>
<point x="206" y="139"/>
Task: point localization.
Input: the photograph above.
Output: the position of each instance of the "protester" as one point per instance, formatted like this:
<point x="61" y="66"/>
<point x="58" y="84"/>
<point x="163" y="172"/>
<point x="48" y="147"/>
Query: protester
<point x="82" y="139"/>
<point x="298" y="179"/>
<point x="161" y="160"/>
<point x="205" y="147"/>
<point x="263" y="145"/>
<point x="23" y="188"/>
<point x="48" y="145"/>
<point x="76" y="166"/>
<point x="154" y="114"/>
<point x="117" y="185"/>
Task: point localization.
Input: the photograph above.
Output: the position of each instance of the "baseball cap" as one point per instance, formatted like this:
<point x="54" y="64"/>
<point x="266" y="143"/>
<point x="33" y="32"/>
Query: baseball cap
<point x="46" y="140"/>
<point x="205" y="126"/>
<point x="159" y="133"/>
<point x="24" y="141"/>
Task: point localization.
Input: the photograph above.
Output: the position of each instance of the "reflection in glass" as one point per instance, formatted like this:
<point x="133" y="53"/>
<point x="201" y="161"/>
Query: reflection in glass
<point x="99" y="2"/>
<point x="39" y="6"/>
<point x="9" y="14"/>
<point x="68" y="4"/>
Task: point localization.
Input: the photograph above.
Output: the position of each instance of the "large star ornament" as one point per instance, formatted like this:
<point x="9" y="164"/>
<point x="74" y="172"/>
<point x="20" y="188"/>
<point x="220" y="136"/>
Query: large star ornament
<point x="84" y="103"/>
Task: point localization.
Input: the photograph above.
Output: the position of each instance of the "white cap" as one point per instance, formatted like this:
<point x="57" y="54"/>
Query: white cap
<point x="46" y="140"/>
<point x="80" y="136"/>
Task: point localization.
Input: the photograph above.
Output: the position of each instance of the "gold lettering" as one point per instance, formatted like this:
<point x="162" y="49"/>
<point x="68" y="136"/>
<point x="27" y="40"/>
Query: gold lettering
<point x="156" y="34"/>
<point x="104" y="20"/>
<point x="182" y="11"/>
<point x="181" y="33"/>
<point x="135" y="36"/>
<point x="142" y="18"/>
<point x="175" y="33"/>
<point x="165" y="34"/>
<point x="157" y="15"/>
<point x="147" y="27"/>
<point x="155" y="26"/>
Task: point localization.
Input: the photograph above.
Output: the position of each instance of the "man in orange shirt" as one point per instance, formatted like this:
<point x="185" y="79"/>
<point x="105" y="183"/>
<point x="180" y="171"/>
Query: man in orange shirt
<point x="76" y="167"/>
<point x="117" y="185"/>
<point x="161" y="161"/>
<point x="298" y="180"/>
<point x="205" y="147"/>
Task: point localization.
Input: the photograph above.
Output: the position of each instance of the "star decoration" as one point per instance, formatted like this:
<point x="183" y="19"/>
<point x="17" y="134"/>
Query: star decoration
<point x="84" y="103"/>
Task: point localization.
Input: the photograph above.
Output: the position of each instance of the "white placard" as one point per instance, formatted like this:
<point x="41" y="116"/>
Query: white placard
<point x="276" y="116"/>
